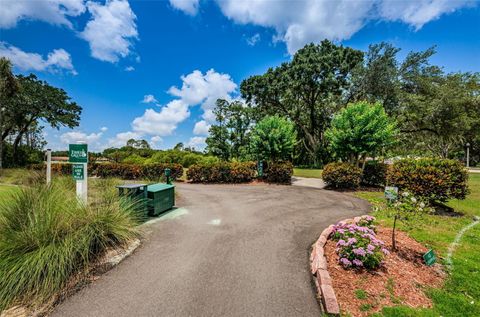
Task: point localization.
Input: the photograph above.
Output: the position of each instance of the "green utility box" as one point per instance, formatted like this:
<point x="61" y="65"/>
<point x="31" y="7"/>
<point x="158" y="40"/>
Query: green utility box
<point x="136" y="192"/>
<point x="161" y="197"/>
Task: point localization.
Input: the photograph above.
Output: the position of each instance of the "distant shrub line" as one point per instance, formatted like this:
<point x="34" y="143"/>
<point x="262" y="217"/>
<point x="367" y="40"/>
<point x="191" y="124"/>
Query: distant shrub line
<point x="213" y="172"/>
<point x="239" y="172"/>
<point x="431" y="179"/>
<point x="120" y="170"/>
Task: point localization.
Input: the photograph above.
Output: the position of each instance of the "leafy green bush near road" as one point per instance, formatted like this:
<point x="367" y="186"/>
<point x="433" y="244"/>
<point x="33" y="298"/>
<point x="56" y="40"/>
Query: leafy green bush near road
<point x="123" y="171"/>
<point x="222" y="172"/>
<point x="239" y="172"/>
<point x="374" y="174"/>
<point x="341" y="175"/>
<point x="279" y="172"/>
<point x="430" y="178"/>
<point x="46" y="237"/>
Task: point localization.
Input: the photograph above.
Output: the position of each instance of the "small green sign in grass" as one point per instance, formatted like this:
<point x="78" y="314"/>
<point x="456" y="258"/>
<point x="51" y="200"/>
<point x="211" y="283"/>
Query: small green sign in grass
<point x="429" y="258"/>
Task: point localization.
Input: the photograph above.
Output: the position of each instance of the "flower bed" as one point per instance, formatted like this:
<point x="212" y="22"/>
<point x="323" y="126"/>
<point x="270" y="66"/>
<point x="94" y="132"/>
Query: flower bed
<point x="357" y="245"/>
<point x="357" y="275"/>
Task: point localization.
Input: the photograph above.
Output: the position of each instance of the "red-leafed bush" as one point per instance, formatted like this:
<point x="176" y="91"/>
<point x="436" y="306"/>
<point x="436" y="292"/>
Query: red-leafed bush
<point x="341" y="175"/>
<point x="430" y="178"/>
<point x="124" y="171"/>
<point x="374" y="174"/>
<point x="222" y="172"/>
<point x="278" y="172"/>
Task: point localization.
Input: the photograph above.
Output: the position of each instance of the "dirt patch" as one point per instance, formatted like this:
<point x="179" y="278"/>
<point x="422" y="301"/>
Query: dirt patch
<point x="401" y="280"/>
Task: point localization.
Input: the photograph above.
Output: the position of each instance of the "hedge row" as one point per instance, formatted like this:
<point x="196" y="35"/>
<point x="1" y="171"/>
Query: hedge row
<point x="222" y="172"/>
<point x="124" y="171"/>
<point x="280" y="173"/>
<point x="341" y="175"/>
<point x="239" y="172"/>
<point x="429" y="178"/>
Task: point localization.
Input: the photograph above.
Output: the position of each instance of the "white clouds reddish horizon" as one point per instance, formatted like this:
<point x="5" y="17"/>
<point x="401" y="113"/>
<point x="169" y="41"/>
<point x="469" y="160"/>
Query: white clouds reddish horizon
<point x="56" y="60"/>
<point x="56" y="12"/>
<point x="300" y="22"/>
<point x="111" y="31"/>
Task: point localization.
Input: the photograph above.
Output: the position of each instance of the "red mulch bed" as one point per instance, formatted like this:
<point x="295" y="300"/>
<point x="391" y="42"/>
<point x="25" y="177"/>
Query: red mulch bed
<point x="400" y="281"/>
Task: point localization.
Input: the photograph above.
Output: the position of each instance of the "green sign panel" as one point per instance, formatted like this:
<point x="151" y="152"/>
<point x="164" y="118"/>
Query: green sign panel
<point x="78" y="172"/>
<point x="78" y="153"/>
<point x="429" y="258"/>
<point x="391" y="193"/>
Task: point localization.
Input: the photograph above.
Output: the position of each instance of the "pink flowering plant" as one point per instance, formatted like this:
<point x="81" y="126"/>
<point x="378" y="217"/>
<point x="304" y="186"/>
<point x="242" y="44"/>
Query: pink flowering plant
<point x="357" y="246"/>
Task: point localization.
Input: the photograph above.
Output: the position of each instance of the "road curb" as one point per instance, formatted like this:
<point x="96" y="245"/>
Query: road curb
<point x="319" y="269"/>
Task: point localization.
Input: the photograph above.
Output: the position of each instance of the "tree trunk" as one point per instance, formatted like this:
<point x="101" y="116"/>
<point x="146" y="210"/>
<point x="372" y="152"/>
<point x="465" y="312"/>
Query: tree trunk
<point x="394" y="244"/>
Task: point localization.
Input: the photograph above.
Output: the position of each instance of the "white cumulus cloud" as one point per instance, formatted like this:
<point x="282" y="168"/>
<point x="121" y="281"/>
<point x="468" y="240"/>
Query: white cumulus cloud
<point x="197" y="89"/>
<point x="149" y="99"/>
<point x="252" y="41"/>
<point x="55" y="12"/>
<point x="201" y="128"/>
<point x="197" y="142"/>
<point x="92" y="139"/>
<point x="300" y="22"/>
<point x="188" y="6"/>
<point x="162" y="122"/>
<point x="57" y="59"/>
<point x="121" y="139"/>
<point x="111" y="31"/>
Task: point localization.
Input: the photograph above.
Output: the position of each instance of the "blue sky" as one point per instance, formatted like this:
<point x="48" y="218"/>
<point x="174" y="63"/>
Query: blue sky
<point x="153" y="69"/>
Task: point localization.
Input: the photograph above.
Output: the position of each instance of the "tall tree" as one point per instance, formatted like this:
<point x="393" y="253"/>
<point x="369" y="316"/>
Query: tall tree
<point x="8" y="88"/>
<point x="307" y="90"/>
<point x="229" y="136"/>
<point x="37" y="100"/>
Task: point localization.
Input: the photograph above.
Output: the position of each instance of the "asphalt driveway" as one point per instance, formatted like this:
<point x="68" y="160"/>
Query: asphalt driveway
<point x="231" y="250"/>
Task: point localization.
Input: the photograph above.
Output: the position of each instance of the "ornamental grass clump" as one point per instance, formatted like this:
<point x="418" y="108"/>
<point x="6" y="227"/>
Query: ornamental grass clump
<point x="357" y="246"/>
<point x="47" y="237"/>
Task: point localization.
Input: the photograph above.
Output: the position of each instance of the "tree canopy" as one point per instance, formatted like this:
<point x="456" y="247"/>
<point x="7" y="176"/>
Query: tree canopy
<point x="360" y="129"/>
<point x="273" y="139"/>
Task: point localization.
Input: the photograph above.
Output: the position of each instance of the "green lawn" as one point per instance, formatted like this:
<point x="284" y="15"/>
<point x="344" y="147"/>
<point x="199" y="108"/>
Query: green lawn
<point x="460" y="295"/>
<point x="307" y="172"/>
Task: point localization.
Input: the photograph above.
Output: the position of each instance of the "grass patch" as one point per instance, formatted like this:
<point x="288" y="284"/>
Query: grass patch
<point x="46" y="237"/>
<point x="361" y="294"/>
<point x="307" y="172"/>
<point x="6" y="191"/>
<point x="460" y="295"/>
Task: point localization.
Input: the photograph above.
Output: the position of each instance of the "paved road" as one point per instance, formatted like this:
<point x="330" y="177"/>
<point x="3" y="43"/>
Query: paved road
<point x="232" y="250"/>
<point x="308" y="182"/>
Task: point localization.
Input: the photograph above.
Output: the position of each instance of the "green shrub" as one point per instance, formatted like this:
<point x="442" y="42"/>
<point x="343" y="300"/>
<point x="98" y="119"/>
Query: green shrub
<point x="374" y="174"/>
<point x="47" y="237"/>
<point x="430" y="178"/>
<point x="278" y="172"/>
<point x="222" y="172"/>
<point x="341" y="175"/>
<point x="123" y="171"/>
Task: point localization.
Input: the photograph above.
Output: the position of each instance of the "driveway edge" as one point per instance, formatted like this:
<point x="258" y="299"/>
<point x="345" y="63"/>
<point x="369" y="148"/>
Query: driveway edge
<point x="318" y="264"/>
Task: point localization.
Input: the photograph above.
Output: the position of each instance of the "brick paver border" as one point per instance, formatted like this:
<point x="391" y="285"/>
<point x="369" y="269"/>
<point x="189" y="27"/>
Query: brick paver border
<point x="319" y="269"/>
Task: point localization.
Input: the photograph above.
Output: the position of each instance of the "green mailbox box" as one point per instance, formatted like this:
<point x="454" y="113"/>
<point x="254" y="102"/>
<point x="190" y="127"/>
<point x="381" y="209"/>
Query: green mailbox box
<point x="161" y="197"/>
<point x="135" y="192"/>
